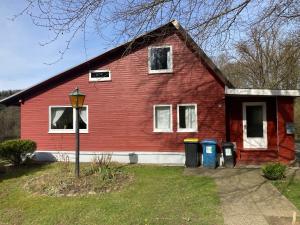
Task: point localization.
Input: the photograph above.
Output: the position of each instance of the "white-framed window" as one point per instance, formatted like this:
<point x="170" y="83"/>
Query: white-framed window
<point x="62" y="119"/>
<point x="187" y="118"/>
<point x="162" y="118"/>
<point x="99" y="75"/>
<point x="160" y="59"/>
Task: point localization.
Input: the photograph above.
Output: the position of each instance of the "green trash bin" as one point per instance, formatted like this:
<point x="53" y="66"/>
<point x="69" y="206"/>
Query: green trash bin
<point x="192" y="149"/>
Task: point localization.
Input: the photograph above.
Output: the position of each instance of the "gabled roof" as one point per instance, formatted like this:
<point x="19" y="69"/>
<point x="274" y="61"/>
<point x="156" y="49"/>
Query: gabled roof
<point x="152" y="35"/>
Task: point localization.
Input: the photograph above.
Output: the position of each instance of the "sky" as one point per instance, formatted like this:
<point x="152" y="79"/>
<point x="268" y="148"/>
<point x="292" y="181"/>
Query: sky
<point x="23" y="61"/>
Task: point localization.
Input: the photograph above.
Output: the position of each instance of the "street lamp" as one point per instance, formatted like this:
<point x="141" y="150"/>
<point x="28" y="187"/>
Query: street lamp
<point x="77" y="99"/>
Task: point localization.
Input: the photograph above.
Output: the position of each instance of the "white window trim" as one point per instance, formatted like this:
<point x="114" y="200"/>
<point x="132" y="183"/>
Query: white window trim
<point x="171" y="120"/>
<point x="67" y="131"/>
<point x="187" y="129"/>
<point x="99" y="79"/>
<point x="160" y="71"/>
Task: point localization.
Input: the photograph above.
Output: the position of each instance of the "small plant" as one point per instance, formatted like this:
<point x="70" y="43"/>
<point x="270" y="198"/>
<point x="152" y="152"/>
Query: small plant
<point x="15" y="151"/>
<point x="274" y="171"/>
<point x="64" y="163"/>
<point x="102" y="166"/>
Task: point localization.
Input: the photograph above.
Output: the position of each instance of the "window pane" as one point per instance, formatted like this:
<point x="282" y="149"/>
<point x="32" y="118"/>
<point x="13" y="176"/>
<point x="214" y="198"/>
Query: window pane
<point x="254" y="118"/>
<point x="160" y="58"/>
<point x="187" y="117"/>
<point x="62" y="118"/>
<point x="103" y="74"/>
<point x="83" y="118"/>
<point x="162" y="117"/>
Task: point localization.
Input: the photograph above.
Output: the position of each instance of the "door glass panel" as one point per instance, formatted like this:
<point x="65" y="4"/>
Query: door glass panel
<point x="254" y="117"/>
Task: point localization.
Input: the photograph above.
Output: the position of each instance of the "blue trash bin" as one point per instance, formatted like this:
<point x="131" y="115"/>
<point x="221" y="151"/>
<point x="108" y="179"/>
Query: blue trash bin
<point x="209" y="149"/>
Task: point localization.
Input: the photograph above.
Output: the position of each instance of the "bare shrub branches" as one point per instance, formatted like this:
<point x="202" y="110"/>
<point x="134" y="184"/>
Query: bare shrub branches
<point x="214" y="24"/>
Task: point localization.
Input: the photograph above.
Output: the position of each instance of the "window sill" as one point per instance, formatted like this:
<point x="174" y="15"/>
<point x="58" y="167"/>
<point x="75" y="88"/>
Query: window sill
<point x="153" y="72"/>
<point x="99" y="80"/>
<point x="67" y="132"/>
<point x="163" y="131"/>
<point x="187" y="131"/>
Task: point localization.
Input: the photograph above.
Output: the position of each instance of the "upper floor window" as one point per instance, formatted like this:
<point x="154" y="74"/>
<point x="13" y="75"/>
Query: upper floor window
<point x="160" y="59"/>
<point x="187" y="118"/>
<point x="99" y="75"/>
<point x="62" y="119"/>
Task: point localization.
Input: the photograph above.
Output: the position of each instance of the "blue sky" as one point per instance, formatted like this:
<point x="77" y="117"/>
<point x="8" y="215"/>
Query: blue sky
<point x="24" y="61"/>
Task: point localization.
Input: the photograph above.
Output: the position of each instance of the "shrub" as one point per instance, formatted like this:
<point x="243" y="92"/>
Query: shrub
<point x="274" y="171"/>
<point x="102" y="165"/>
<point x="16" y="150"/>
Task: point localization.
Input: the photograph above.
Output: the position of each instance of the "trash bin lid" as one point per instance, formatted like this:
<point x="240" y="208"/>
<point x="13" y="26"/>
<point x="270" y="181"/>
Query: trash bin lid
<point x="209" y="141"/>
<point x="227" y="144"/>
<point x="191" y="140"/>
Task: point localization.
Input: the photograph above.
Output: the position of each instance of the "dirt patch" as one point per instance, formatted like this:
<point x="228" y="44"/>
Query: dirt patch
<point x="94" y="179"/>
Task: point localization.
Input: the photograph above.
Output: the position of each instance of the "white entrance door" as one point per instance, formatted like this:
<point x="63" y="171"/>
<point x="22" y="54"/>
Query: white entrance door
<point x="254" y="125"/>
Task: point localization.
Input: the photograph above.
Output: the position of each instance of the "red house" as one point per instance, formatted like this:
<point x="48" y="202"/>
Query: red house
<point x="144" y="97"/>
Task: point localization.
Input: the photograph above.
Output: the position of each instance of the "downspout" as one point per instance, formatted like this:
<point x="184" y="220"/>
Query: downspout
<point x="21" y="102"/>
<point x="277" y="125"/>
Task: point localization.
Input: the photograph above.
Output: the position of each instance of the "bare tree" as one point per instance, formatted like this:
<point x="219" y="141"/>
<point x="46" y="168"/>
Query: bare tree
<point x="213" y="24"/>
<point x="265" y="60"/>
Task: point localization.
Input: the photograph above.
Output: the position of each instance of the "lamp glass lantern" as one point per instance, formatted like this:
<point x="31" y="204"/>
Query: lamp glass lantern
<point x="77" y="98"/>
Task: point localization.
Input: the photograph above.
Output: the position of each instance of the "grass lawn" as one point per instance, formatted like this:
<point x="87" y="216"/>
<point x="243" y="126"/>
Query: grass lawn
<point x="157" y="195"/>
<point x="290" y="187"/>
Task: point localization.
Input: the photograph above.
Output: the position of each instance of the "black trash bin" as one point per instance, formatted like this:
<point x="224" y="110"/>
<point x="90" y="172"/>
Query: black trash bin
<point x="228" y="154"/>
<point x="192" y="149"/>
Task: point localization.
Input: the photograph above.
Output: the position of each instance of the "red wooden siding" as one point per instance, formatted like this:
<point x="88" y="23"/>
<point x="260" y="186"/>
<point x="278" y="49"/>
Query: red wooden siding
<point x="121" y="110"/>
<point x="286" y="141"/>
<point x="285" y="151"/>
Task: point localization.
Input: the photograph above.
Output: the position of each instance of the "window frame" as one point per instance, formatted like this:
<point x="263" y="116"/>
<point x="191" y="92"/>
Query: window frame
<point x="67" y="131"/>
<point x="150" y="71"/>
<point x="157" y="130"/>
<point x="180" y="130"/>
<point x="91" y="79"/>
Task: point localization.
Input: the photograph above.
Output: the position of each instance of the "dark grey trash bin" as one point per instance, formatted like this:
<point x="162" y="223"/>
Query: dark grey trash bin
<point x="228" y="154"/>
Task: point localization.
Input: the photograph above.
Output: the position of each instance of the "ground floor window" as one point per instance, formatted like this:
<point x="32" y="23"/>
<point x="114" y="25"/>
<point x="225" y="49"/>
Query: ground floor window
<point x="162" y="115"/>
<point x="187" y="118"/>
<point x="62" y="119"/>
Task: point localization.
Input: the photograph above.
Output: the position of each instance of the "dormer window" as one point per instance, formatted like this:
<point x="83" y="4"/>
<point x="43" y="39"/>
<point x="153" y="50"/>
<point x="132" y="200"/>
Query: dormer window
<point x="160" y="59"/>
<point x="99" y="75"/>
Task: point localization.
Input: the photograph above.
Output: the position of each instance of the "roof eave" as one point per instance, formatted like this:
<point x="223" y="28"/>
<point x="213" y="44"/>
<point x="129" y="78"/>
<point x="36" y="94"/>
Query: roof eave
<point x="203" y="55"/>
<point x="260" y="92"/>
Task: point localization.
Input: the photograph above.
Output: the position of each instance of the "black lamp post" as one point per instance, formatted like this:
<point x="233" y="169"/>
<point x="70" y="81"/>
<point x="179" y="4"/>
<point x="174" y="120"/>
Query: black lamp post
<point x="77" y="100"/>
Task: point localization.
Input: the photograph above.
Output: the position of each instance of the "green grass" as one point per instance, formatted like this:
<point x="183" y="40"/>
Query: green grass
<point x="157" y="195"/>
<point x="290" y="187"/>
